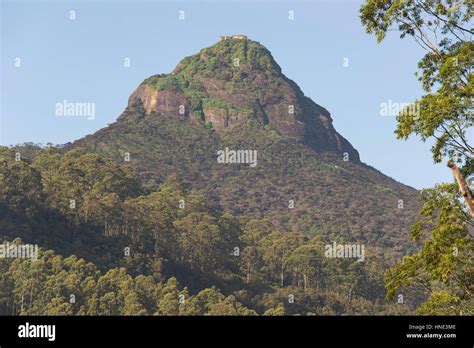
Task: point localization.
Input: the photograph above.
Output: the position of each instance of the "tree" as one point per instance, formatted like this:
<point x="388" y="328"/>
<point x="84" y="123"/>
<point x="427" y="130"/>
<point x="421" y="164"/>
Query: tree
<point x="202" y="242"/>
<point x="443" y="266"/>
<point x="278" y="249"/>
<point x="58" y="306"/>
<point x="252" y="236"/>
<point x="132" y="305"/>
<point x="444" y="113"/>
<point x="169" y="299"/>
<point x="20" y="184"/>
<point x="229" y="306"/>
<point x="112" y="290"/>
<point x="7" y="286"/>
<point x="211" y="301"/>
<point x="95" y="186"/>
<point x="277" y="311"/>
<point x="305" y="262"/>
<point x="445" y="303"/>
<point x="199" y="304"/>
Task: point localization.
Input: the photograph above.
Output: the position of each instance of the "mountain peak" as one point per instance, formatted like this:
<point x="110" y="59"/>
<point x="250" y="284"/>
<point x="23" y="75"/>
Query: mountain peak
<point x="234" y="81"/>
<point x="235" y="51"/>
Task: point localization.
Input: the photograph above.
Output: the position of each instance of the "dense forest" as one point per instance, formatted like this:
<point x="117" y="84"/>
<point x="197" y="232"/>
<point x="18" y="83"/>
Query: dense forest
<point x="137" y="250"/>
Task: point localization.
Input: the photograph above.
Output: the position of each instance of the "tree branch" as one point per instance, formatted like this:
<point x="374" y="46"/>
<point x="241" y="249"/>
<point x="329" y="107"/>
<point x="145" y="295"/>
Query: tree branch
<point x="463" y="188"/>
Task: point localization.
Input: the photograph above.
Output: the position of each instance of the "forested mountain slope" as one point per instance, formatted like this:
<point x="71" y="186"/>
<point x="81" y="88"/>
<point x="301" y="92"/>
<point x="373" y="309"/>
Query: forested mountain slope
<point x="233" y="95"/>
<point x="143" y="217"/>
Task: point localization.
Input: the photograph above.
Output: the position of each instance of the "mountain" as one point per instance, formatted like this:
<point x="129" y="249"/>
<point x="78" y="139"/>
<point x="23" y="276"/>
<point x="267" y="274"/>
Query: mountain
<point x="216" y="192"/>
<point x="234" y="96"/>
<point x="235" y="81"/>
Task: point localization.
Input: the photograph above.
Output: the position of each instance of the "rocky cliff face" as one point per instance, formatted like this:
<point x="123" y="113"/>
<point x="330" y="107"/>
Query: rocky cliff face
<point x="165" y="103"/>
<point x="234" y="81"/>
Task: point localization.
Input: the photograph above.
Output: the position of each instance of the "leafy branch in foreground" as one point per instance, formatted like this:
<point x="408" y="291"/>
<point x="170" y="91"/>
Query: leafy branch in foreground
<point x="443" y="267"/>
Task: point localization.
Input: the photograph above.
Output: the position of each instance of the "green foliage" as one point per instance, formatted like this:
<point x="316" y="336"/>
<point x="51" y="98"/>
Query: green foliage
<point x="96" y="186"/>
<point x="230" y="265"/>
<point x="225" y="232"/>
<point x="378" y="16"/>
<point x="218" y="60"/>
<point x="221" y="104"/>
<point x="444" y="114"/>
<point x="444" y="30"/>
<point x="20" y="184"/>
<point x="445" y="303"/>
<point x="53" y="285"/>
<point x="443" y="267"/>
<point x="165" y="146"/>
<point x="237" y="62"/>
<point x="167" y="83"/>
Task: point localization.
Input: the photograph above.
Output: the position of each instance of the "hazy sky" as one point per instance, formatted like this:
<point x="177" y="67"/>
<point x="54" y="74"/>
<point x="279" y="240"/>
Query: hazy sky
<point x="82" y="60"/>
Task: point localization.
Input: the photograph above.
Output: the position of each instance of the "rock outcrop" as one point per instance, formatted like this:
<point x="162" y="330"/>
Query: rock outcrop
<point x="234" y="81"/>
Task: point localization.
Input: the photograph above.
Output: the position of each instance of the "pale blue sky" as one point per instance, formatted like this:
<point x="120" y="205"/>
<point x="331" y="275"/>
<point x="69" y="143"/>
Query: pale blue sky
<point x="82" y="60"/>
